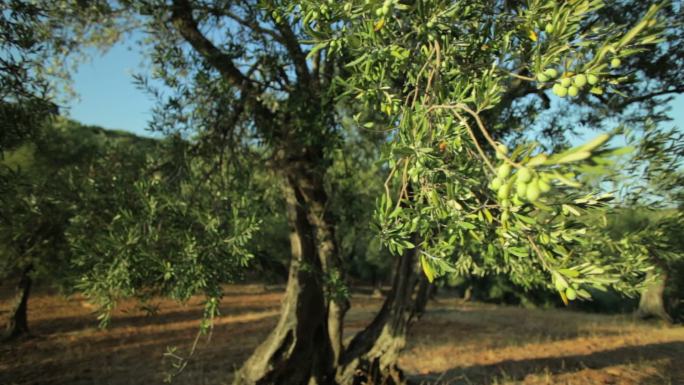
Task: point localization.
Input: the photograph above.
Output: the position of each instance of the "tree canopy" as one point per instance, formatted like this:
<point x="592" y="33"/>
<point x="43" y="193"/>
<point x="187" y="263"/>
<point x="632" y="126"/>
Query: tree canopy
<point x="445" y="97"/>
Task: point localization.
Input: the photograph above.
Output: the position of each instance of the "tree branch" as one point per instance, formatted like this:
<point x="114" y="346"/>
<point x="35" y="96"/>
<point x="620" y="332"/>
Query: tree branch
<point x="641" y="98"/>
<point x="291" y="43"/>
<point x="182" y="19"/>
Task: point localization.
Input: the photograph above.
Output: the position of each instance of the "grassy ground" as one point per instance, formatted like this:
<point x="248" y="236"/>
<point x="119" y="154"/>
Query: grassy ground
<point x="454" y="343"/>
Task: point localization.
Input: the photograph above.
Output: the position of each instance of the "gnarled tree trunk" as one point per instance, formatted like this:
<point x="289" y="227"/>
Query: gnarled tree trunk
<point x="315" y="197"/>
<point x="371" y="357"/>
<point x="296" y="352"/>
<point x="305" y="345"/>
<point x="651" y="303"/>
<point x="17" y="322"/>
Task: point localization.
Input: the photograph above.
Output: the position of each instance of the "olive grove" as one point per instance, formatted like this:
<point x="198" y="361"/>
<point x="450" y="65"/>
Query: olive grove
<point x="447" y="96"/>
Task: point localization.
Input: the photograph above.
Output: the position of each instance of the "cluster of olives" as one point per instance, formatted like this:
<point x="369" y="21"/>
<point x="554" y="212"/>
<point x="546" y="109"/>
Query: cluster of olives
<point x="528" y="185"/>
<point x="571" y="85"/>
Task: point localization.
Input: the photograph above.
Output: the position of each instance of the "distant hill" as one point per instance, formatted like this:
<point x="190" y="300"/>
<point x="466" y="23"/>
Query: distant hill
<point x="68" y="142"/>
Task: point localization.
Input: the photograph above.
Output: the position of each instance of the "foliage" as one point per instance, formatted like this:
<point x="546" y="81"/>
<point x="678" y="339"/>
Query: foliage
<point x="42" y="176"/>
<point x="24" y="102"/>
<point x="435" y="69"/>
<point x="260" y="90"/>
<point x="138" y="235"/>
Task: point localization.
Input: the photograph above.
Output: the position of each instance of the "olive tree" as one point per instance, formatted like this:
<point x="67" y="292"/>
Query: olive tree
<point x="269" y="84"/>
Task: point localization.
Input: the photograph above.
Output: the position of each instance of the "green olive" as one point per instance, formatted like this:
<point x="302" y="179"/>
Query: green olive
<point x="503" y="192"/>
<point x="542" y="78"/>
<point x="580" y="80"/>
<point x="524" y="175"/>
<point x="615" y="63"/>
<point x="573" y="91"/>
<point x="571" y="294"/>
<point x="495" y="184"/>
<point x="565" y="82"/>
<point x="560" y="90"/>
<point x="501" y="151"/>
<point x="504" y="170"/>
<point x="544" y="186"/>
<point x="520" y="188"/>
<point x="549" y="28"/>
<point x="592" y="79"/>
<point x="550" y="72"/>
<point x="532" y="193"/>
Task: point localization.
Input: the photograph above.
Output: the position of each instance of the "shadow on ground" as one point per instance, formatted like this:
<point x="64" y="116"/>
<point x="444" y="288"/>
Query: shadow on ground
<point x="517" y="370"/>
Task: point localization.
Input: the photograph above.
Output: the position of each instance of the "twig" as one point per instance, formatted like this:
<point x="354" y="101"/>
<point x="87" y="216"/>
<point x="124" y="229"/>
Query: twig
<point x="513" y="74"/>
<point x="475" y="142"/>
<point x="538" y="252"/>
<point x="480" y="125"/>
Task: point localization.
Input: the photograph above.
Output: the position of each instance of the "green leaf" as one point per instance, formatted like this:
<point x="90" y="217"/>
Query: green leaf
<point x="427" y="268"/>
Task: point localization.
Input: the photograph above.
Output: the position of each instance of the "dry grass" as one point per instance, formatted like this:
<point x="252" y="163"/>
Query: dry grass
<point x="454" y="343"/>
<point x="460" y="343"/>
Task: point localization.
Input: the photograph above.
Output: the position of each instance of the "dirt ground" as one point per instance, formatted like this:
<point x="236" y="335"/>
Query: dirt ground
<point x="454" y="343"/>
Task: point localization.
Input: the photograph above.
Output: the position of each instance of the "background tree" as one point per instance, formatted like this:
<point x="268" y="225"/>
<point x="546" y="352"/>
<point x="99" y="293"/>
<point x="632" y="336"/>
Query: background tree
<point x="24" y="99"/>
<point x="656" y="218"/>
<point x="42" y="177"/>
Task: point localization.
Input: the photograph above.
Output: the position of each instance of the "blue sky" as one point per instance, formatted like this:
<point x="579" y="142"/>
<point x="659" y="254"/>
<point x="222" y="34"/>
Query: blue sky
<point x="108" y="97"/>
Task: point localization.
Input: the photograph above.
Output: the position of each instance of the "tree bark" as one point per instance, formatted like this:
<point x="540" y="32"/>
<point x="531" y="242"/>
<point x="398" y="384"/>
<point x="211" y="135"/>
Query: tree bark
<point x="331" y="265"/>
<point x="17" y="322"/>
<point x="297" y="351"/>
<point x="371" y="357"/>
<point x="651" y="303"/>
<point x="306" y="344"/>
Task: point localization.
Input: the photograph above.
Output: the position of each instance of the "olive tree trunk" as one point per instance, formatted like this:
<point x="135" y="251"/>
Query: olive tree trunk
<point x="651" y="303"/>
<point x="372" y="355"/>
<point x="17" y="321"/>
<point x="305" y="345"/>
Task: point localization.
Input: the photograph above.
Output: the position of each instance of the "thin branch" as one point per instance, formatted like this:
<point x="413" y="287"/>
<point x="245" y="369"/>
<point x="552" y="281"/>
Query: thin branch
<point x="637" y="99"/>
<point x="183" y="20"/>
<point x="513" y="74"/>
<point x="538" y="252"/>
<point x="475" y="142"/>
<point x="291" y="43"/>
<point x="253" y="25"/>
<point x="480" y="125"/>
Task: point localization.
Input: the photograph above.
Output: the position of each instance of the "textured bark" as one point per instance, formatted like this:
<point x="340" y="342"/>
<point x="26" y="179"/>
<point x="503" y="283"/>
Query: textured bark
<point x="651" y="303"/>
<point x="297" y="351"/>
<point x="371" y="357"/>
<point x="17" y="322"/>
<point x="331" y="265"/>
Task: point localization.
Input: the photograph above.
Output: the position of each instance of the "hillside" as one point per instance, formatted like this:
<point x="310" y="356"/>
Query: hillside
<point x="68" y="142"/>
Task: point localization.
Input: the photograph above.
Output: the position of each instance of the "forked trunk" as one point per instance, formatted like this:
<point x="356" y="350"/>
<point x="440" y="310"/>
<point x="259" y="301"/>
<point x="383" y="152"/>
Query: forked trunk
<point x="17" y="322"/>
<point x="331" y="266"/>
<point x="297" y="351"/>
<point x="651" y="303"/>
<point x="371" y="357"/>
<point x="305" y="348"/>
